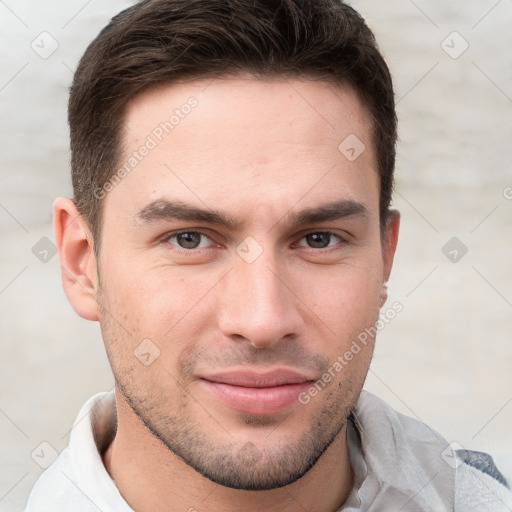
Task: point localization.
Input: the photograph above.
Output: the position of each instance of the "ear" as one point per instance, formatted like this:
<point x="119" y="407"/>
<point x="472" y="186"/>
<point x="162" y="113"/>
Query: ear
<point x="389" y="242"/>
<point x="77" y="259"/>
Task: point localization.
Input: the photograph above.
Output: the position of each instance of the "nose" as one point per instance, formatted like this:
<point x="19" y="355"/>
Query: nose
<point x="258" y="304"/>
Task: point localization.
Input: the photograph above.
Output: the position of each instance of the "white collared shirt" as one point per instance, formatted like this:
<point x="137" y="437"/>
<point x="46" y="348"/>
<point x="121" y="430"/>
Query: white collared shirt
<point x="398" y="462"/>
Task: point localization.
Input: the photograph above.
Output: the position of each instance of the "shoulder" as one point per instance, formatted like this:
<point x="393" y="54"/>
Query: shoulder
<point x="423" y="460"/>
<point x="480" y="486"/>
<point x="78" y="480"/>
<point x="56" y="489"/>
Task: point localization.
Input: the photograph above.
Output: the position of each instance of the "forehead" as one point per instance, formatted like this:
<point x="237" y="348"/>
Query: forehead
<point x="301" y="110"/>
<point x="247" y="144"/>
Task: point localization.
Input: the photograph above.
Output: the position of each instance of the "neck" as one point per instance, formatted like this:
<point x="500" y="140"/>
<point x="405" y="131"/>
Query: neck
<point x="150" y="477"/>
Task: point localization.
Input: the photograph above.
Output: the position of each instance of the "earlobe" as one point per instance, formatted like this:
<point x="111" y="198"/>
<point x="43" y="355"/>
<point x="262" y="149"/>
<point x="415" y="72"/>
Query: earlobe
<point x="390" y="241"/>
<point x="383" y="294"/>
<point x="77" y="259"/>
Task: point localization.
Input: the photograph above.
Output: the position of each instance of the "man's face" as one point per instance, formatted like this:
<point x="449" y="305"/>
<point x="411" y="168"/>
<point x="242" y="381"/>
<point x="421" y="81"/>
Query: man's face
<point x="252" y="300"/>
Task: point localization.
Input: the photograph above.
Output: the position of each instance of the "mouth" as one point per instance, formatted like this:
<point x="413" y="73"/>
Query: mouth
<point x="257" y="393"/>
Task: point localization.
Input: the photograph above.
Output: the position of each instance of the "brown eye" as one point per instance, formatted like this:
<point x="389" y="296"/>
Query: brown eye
<point x="189" y="240"/>
<point x="318" y="240"/>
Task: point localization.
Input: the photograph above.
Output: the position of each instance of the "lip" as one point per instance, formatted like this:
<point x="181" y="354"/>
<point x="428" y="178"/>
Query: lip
<point x="257" y="393"/>
<point x="253" y="379"/>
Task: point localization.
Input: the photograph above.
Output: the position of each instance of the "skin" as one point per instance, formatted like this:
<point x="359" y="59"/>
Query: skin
<point x="259" y="152"/>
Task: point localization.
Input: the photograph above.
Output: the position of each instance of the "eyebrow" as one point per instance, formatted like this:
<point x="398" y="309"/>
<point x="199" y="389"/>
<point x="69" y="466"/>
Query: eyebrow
<point x="164" y="210"/>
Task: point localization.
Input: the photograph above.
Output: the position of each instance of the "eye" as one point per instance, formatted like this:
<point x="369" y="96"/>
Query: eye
<point x="320" y="239"/>
<point x="189" y="240"/>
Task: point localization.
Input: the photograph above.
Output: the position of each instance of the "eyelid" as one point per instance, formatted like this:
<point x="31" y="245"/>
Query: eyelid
<point x="166" y="238"/>
<point x="201" y="231"/>
<point x="342" y="238"/>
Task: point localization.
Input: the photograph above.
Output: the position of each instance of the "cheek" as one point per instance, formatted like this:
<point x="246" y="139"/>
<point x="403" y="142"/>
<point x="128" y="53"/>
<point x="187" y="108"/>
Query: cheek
<point x="161" y="304"/>
<point x="347" y="297"/>
<point x="346" y="300"/>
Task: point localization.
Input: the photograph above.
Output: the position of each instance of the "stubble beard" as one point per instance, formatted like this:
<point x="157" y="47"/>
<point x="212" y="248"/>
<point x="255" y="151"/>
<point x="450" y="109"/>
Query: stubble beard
<point x="241" y="464"/>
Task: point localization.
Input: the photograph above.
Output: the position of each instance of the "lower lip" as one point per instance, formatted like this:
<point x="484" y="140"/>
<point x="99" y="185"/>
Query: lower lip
<point x="257" y="401"/>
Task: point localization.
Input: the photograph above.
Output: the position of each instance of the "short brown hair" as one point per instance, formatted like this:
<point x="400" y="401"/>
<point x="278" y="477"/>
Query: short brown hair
<point x="159" y="42"/>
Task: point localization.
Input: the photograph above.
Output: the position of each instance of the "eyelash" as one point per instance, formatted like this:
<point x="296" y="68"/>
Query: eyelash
<point x="169" y="236"/>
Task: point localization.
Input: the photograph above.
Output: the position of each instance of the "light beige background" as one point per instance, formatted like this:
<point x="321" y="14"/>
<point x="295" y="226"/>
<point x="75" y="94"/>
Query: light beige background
<point x="446" y="358"/>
